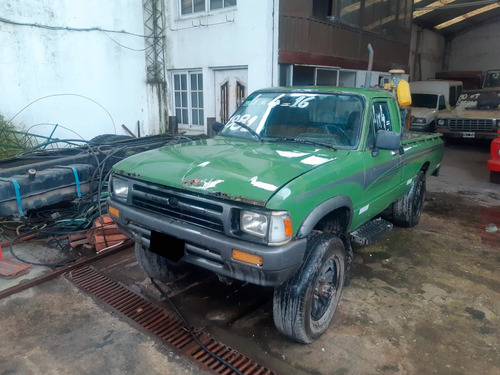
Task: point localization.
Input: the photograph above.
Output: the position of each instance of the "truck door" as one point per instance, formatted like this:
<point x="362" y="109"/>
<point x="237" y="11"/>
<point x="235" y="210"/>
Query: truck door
<point x="383" y="169"/>
<point x="230" y="92"/>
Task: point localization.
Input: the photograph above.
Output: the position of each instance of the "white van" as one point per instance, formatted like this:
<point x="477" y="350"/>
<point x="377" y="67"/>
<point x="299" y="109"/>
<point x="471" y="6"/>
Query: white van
<point x="430" y="97"/>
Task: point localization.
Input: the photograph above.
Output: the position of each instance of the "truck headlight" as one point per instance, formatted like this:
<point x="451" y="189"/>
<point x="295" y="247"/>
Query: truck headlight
<point x="277" y="226"/>
<point x="419" y="120"/>
<point x="253" y="223"/>
<point x="120" y="188"/>
<point x="441" y="122"/>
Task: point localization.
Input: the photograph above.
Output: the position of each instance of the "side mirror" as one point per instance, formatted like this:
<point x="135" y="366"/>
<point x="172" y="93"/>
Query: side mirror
<point x="387" y="140"/>
<point x="217" y="126"/>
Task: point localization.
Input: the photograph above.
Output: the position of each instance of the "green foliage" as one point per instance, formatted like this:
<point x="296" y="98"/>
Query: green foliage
<point x="13" y="140"/>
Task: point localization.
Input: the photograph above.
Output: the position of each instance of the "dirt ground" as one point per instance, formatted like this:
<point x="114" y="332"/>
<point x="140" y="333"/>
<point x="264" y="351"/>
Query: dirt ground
<point x="422" y="300"/>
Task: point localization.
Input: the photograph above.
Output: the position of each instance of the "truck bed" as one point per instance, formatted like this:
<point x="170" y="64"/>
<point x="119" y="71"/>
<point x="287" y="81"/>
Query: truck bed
<point x="410" y="137"/>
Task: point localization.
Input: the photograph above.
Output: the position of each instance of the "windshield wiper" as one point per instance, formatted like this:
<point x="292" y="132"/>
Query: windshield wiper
<point x="301" y="140"/>
<point x="250" y="130"/>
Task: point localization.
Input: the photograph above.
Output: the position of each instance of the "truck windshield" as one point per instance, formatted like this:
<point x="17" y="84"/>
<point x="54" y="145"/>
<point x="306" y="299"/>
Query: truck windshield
<point x="325" y="119"/>
<point x="492" y="78"/>
<point x="424" y="100"/>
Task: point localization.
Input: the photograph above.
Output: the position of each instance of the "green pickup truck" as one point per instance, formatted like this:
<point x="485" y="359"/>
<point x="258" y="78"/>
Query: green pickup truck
<point x="275" y="197"/>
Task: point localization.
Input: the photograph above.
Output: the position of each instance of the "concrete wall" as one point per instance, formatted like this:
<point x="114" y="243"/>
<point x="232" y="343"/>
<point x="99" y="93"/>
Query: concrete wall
<point x="82" y="80"/>
<point x="477" y="50"/>
<point x="427" y="50"/>
<point x="243" y="37"/>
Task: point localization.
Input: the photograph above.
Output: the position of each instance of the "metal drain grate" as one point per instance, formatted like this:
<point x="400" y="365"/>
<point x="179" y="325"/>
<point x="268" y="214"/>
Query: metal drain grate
<point x="163" y="326"/>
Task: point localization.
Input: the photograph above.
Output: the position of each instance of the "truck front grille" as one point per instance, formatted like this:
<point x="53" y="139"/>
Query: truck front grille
<point x="474" y="125"/>
<point x="188" y="208"/>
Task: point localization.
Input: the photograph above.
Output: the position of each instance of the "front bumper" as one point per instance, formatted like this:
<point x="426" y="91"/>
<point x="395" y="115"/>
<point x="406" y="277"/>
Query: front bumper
<point x="429" y="128"/>
<point x="467" y="134"/>
<point x="494" y="165"/>
<point x="212" y="250"/>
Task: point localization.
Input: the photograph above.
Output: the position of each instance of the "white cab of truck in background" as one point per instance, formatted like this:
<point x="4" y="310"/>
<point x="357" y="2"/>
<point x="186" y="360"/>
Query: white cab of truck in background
<point x="430" y="97"/>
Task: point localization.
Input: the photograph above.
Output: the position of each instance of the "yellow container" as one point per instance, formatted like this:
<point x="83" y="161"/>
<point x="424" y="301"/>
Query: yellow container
<point x="403" y="93"/>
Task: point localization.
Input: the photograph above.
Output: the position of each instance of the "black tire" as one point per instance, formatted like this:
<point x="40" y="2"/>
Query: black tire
<point x="304" y="305"/>
<point x="158" y="267"/>
<point x="334" y="227"/>
<point x="406" y="211"/>
<point x="104" y="139"/>
<point x="495" y="177"/>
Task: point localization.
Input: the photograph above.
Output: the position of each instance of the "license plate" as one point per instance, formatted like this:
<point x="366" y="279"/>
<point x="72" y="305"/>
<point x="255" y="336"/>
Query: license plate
<point x="166" y="246"/>
<point x="469" y="135"/>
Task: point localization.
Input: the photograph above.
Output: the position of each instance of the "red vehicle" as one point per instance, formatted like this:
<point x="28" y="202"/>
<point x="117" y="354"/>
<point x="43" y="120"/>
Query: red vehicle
<point x="494" y="162"/>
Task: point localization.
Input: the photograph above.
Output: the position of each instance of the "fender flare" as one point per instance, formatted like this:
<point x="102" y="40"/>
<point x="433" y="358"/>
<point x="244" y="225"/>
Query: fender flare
<point x="322" y="210"/>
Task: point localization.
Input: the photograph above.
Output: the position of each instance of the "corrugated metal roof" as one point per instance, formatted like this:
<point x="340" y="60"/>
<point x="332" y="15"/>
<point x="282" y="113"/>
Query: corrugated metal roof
<point x="453" y="17"/>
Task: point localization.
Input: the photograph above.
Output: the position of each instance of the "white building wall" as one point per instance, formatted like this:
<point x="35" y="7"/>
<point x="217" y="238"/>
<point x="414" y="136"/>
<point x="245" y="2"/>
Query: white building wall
<point x="478" y="49"/>
<point x="239" y="37"/>
<point x="81" y="80"/>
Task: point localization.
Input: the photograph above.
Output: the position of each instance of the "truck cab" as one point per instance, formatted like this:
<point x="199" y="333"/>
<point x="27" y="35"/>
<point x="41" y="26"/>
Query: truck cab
<point x="492" y="79"/>
<point x="430" y="97"/>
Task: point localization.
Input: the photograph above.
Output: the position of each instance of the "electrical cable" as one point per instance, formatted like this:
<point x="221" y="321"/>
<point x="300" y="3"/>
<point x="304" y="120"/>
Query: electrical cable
<point x="50" y="265"/>
<point x="60" y="126"/>
<point x="51" y="151"/>
<point x="80" y="214"/>
<point x="129" y="48"/>
<point x="190" y="329"/>
<point x="69" y="94"/>
<point x="67" y="28"/>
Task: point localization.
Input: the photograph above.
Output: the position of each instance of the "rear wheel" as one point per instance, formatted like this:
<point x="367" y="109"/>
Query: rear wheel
<point x="158" y="267"/>
<point x="303" y="306"/>
<point x="406" y="211"/>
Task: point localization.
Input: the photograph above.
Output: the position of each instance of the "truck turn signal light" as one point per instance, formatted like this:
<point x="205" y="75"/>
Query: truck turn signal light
<point x="256" y="260"/>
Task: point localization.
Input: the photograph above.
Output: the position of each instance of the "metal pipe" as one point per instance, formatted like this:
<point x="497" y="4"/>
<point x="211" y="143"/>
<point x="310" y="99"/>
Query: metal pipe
<point x="50" y="136"/>
<point x="128" y="131"/>
<point x="368" y="77"/>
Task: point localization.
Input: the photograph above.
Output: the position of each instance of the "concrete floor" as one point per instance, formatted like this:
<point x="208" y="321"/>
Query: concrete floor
<point x="423" y="300"/>
<point x="55" y="329"/>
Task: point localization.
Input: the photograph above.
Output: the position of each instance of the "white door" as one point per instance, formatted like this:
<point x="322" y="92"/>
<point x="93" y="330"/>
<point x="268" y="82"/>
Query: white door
<point x="231" y="88"/>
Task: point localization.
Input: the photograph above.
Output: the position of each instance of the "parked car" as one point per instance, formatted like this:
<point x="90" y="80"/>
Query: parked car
<point x="273" y="199"/>
<point x="476" y="115"/>
<point x="430" y="97"/>
<point x="494" y="162"/>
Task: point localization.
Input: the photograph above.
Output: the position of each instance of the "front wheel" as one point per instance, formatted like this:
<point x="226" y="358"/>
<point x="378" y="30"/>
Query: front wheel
<point x="158" y="267"/>
<point x="303" y="306"/>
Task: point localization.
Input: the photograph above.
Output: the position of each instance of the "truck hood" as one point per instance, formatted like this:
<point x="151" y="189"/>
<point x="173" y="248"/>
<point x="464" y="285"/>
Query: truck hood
<point x="423" y="112"/>
<point x="469" y="113"/>
<point x="229" y="168"/>
<point x="483" y="104"/>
